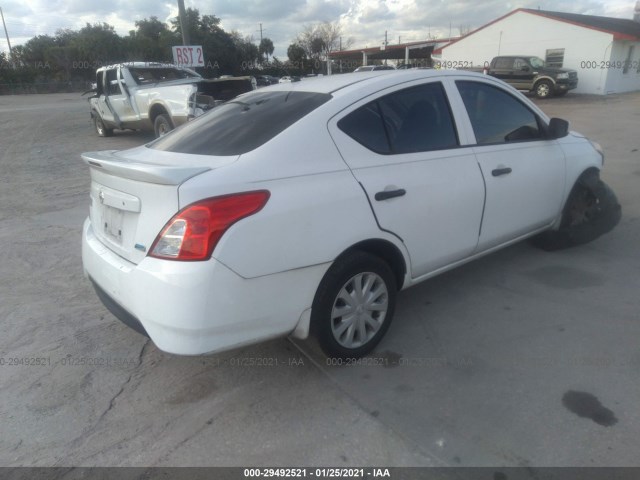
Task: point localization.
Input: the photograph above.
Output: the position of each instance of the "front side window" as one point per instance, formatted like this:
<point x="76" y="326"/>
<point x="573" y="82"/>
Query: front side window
<point x="113" y="86"/>
<point x="536" y="62"/>
<point x="520" y="64"/>
<point x="496" y="115"/>
<point x="100" y="83"/>
<point x="416" y="119"/>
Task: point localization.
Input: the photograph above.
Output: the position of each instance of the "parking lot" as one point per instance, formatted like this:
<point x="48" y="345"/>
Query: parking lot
<point x="522" y="358"/>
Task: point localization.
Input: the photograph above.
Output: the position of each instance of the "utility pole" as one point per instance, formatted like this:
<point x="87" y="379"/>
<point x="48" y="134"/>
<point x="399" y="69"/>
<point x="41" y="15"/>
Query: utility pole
<point x="186" y="40"/>
<point x="385" y="46"/>
<point x="7" y="34"/>
<point x="260" y="33"/>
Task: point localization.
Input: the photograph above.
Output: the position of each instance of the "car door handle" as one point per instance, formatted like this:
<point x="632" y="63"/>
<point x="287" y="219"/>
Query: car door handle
<point x="387" y="194"/>
<point x="500" y="171"/>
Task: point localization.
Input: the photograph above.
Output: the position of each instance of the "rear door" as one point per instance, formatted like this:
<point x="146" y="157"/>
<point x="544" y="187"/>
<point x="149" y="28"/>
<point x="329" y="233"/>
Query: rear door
<point x="403" y="147"/>
<point x="502" y="68"/>
<point x="524" y="172"/>
<point x="522" y="74"/>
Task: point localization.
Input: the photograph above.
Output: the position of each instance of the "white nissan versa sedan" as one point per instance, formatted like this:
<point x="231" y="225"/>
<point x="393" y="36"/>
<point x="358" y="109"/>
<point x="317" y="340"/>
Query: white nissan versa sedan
<point x="306" y="206"/>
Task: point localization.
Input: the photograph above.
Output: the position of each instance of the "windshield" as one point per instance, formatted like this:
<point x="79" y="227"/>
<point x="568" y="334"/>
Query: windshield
<point x="536" y="62"/>
<point x="156" y="75"/>
<point x="241" y="125"/>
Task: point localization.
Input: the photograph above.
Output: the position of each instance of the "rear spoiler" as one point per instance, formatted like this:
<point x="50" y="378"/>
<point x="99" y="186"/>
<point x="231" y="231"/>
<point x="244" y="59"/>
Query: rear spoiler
<point x="113" y="164"/>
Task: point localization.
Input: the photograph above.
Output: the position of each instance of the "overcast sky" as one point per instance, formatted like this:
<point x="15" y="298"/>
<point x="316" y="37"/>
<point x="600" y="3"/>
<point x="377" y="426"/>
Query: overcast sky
<point x="365" y="21"/>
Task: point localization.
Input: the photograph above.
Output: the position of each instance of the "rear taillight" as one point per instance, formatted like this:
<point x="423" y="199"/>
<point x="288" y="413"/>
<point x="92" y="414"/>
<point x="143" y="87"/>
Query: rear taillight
<point x="194" y="231"/>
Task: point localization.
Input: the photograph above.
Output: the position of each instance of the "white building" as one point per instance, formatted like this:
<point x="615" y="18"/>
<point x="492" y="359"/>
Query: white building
<point x="605" y="51"/>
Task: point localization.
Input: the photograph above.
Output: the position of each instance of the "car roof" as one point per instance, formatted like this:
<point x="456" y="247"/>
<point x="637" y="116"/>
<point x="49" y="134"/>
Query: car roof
<point x="349" y="87"/>
<point x="143" y="65"/>
<point x="332" y="84"/>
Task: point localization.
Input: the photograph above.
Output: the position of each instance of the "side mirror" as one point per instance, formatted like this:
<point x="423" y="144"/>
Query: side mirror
<point x="558" y="128"/>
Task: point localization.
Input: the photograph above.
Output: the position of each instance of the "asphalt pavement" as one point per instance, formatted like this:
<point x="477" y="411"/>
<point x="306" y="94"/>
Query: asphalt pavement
<point x="522" y="358"/>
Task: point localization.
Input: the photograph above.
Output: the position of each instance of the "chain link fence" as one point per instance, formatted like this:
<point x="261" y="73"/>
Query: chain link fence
<point x="78" y="86"/>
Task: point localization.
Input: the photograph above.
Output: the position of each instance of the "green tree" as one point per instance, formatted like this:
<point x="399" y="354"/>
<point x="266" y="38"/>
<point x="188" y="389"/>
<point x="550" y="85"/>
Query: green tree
<point x="151" y="41"/>
<point x="296" y="53"/>
<point x="218" y="46"/>
<point x="35" y="50"/>
<point x="319" y="40"/>
<point x="98" y="44"/>
<point x="266" y="47"/>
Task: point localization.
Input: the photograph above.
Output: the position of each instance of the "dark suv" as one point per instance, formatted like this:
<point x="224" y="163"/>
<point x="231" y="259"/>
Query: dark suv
<point x="532" y="74"/>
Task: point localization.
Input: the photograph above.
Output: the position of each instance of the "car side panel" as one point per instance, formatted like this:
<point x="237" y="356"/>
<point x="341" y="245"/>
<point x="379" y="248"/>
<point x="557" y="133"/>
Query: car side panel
<point x="316" y="211"/>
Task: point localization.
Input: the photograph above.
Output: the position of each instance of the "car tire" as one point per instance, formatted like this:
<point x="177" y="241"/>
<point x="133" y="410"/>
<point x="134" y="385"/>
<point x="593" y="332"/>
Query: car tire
<point x="101" y="130"/>
<point x="354" y="305"/>
<point x="543" y="89"/>
<point x="592" y="210"/>
<point x="162" y="125"/>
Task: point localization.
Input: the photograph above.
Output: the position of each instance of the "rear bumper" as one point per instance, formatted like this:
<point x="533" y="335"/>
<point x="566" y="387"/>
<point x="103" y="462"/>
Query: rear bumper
<point x="117" y="311"/>
<point x="192" y="308"/>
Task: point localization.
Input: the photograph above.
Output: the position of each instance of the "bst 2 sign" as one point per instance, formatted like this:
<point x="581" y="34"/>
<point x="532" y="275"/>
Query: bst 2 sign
<point x="188" y="56"/>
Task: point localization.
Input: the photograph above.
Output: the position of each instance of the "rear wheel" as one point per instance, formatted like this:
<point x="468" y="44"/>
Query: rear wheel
<point x="543" y="89"/>
<point x="162" y="125"/>
<point x="592" y="210"/>
<point x="101" y="130"/>
<point x="354" y="305"/>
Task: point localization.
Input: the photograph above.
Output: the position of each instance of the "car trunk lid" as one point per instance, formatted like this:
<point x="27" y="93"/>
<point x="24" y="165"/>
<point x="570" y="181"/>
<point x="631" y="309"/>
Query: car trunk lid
<point x="132" y="197"/>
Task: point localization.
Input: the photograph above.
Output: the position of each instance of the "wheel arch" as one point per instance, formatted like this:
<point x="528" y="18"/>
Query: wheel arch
<point x="386" y="251"/>
<point x="544" y="77"/>
<point x="590" y="170"/>
<point x="157" y="109"/>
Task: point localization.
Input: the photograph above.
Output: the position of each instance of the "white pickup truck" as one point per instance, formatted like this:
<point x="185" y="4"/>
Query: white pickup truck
<point x="156" y="97"/>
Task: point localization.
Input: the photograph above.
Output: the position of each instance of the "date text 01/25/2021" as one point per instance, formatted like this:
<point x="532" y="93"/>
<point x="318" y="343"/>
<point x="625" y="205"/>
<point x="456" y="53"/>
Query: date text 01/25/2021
<point x="303" y="472"/>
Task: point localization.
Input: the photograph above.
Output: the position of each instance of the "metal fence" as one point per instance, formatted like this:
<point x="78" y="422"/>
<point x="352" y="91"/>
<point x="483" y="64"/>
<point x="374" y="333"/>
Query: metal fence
<point x="44" y="87"/>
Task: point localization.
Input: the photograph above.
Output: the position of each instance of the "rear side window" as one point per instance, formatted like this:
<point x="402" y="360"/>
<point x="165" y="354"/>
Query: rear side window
<point x="496" y="115"/>
<point x="241" y="125"/>
<point x="366" y="127"/>
<point x="503" y="63"/>
<point x="416" y="119"/>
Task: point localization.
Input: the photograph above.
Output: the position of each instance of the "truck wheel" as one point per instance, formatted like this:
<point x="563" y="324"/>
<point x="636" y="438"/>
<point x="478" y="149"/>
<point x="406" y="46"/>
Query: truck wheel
<point x="592" y="210"/>
<point x="101" y="130"/>
<point x="354" y="305"/>
<point x="162" y="125"/>
<point x="543" y="89"/>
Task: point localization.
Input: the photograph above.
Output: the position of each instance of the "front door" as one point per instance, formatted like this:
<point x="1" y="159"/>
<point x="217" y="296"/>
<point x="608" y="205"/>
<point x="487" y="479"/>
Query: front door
<point x="524" y="172"/>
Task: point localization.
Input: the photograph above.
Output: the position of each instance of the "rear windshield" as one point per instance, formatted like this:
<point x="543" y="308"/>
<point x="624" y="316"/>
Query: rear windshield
<point x="145" y="76"/>
<point x="241" y="125"/>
